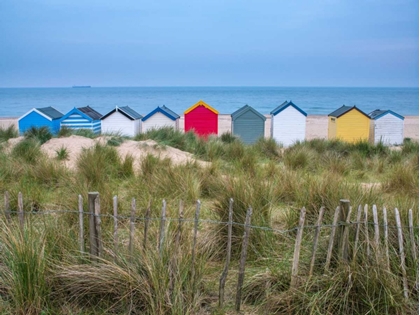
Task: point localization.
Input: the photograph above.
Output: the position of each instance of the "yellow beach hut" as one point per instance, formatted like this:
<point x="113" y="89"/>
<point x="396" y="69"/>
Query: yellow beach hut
<point x="348" y="123"/>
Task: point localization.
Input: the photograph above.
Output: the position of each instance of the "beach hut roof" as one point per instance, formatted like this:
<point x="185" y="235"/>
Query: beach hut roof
<point x="245" y="109"/>
<point x="284" y="105"/>
<point x="126" y="111"/>
<point x="378" y="113"/>
<point x="201" y="103"/>
<point x="345" y="109"/>
<point x="89" y="111"/>
<point x="164" y="110"/>
<point x="49" y="113"/>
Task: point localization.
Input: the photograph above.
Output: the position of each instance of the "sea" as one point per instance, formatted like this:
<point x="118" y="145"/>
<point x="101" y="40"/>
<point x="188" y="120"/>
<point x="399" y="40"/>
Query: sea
<point x="15" y="102"/>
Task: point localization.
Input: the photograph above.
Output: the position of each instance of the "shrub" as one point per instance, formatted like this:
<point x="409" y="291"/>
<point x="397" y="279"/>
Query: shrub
<point x="62" y="154"/>
<point x="8" y="133"/>
<point x="27" y="150"/>
<point x="42" y="134"/>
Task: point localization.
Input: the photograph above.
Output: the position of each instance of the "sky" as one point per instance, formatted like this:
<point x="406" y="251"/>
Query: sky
<point x="56" y="43"/>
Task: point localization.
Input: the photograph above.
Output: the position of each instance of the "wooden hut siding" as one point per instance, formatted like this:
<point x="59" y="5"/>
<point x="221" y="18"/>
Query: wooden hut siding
<point x="288" y="126"/>
<point x="159" y="120"/>
<point x="202" y="119"/>
<point x="76" y="119"/>
<point x="248" y="124"/>
<point x="36" y="118"/>
<point x="348" y="124"/>
<point x="119" y="123"/>
<point x="388" y="129"/>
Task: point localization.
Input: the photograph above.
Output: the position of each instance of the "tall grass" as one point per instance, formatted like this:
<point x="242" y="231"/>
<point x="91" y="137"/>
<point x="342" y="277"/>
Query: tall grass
<point x="8" y="133"/>
<point x="42" y="134"/>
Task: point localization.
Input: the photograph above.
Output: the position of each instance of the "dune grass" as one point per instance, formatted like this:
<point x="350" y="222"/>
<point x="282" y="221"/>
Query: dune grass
<point x="276" y="182"/>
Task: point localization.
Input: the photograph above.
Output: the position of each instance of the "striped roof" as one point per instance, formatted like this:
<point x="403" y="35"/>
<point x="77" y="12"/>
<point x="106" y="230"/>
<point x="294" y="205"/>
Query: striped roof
<point x="89" y="111"/>
<point x="201" y="103"/>
<point x="285" y="105"/>
<point x="345" y="109"/>
<point x="126" y="111"/>
<point x="164" y="110"/>
<point x="377" y="113"/>
<point x="245" y="109"/>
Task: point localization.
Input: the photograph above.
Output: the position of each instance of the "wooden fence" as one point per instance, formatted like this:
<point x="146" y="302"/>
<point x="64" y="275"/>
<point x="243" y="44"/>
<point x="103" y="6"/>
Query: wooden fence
<point x="347" y="238"/>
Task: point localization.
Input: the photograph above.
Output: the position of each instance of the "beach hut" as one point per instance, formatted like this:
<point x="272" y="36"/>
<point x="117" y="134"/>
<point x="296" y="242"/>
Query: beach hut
<point x="348" y="123"/>
<point x="122" y="120"/>
<point x="82" y="118"/>
<point x="41" y="117"/>
<point x="248" y="124"/>
<point x="202" y="119"/>
<point x="288" y="123"/>
<point x="386" y="127"/>
<point x="160" y="117"/>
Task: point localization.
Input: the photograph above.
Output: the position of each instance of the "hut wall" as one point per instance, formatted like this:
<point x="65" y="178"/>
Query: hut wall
<point x="202" y="120"/>
<point x="118" y="123"/>
<point x="288" y="126"/>
<point x="353" y="126"/>
<point x="389" y="129"/>
<point x="158" y="120"/>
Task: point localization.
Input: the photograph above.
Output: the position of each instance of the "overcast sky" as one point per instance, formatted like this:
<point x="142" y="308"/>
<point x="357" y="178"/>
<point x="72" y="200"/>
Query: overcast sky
<point x="47" y="43"/>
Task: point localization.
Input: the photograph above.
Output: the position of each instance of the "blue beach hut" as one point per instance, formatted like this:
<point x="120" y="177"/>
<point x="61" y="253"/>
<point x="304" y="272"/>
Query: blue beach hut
<point x="41" y="117"/>
<point x="160" y="117"/>
<point x="82" y="118"/>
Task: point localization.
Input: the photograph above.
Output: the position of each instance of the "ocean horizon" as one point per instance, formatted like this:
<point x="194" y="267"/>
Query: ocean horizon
<point x="15" y="102"/>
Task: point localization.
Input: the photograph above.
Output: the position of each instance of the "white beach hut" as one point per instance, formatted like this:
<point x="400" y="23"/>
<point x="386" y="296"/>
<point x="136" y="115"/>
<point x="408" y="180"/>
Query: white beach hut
<point x="386" y="127"/>
<point x="288" y="124"/>
<point x="160" y="117"/>
<point x="123" y="120"/>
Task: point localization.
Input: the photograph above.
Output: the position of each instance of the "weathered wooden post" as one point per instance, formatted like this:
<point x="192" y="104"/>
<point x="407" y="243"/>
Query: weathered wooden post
<point x="132" y="226"/>
<point x="296" y="254"/>
<point x="93" y="250"/>
<point x="162" y="227"/>
<point x="197" y="216"/>
<point x="81" y="226"/>
<point x="316" y="237"/>
<point x="386" y="239"/>
<point x="98" y="232"/>
<point x="356" y="238"/>
<point x="223" y="277"/>
<point x="241" y="274"/>
<point x="401" y="252"/>
<point x="146" y="225"/>
<point x="343" y="226"/>
<point x="345" y="239"/>
<point x="331" y="241"/>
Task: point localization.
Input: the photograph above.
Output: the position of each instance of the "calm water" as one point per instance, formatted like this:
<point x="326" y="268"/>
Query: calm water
<point x="15" y="102"/>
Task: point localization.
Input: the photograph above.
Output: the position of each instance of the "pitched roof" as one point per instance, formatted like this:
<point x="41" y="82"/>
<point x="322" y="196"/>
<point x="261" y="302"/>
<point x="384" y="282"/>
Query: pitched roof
<point x="49" y="113"/>
<point x="377" y="113"/>
<point x="90" y="112"/>
<point x="245" y="109"/>
<point x="164" y="110"/>
<point x="284" y="105"/>
<point x="201" y="103"/>
<point x="126" y="111"/>
<point x="345" y="109"/>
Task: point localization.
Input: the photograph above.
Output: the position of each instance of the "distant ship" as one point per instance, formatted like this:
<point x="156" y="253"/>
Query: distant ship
<point x="81" y="86"/>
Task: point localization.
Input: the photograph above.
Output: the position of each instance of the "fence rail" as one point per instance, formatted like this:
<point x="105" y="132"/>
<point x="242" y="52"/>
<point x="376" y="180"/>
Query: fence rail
<point x="347" y="238"/>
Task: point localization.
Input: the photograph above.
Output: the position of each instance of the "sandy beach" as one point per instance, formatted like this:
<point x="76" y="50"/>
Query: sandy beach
<point x="316" y="126"/>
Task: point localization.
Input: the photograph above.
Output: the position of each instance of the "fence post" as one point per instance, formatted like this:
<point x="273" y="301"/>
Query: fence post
<point x="332" y="236"/>
<point x="316" y="237"/>
<point x="132" y="219"/>
<point x="412" y="239"/>
<point x="7" y="206"/>
<point x="367" y="230"/>
<point x="92" y="230"/>
<point x="162" y="227"/>
<point x="98" y="225"/>
<point x="386" y="239"/>
<point x="296" y="254"/>
<point x="356" y="238"/>
<point x="376" y="229"/>
<point x="81" y="229"/>
<point x="179" y="229"/>
<point x="345" y="238"/>
<point x="401" y="252"/>
<point x="115" y="210"/>
<point x="21" y="214"/>
<point x="242" y="261"/>
<point x="342" y="222"/>
<point x="146" y="225"/>
<point x="223" y="277"/>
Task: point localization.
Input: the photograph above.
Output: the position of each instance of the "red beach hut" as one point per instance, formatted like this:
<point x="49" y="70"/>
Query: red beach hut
<point x="202" y="118"/>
